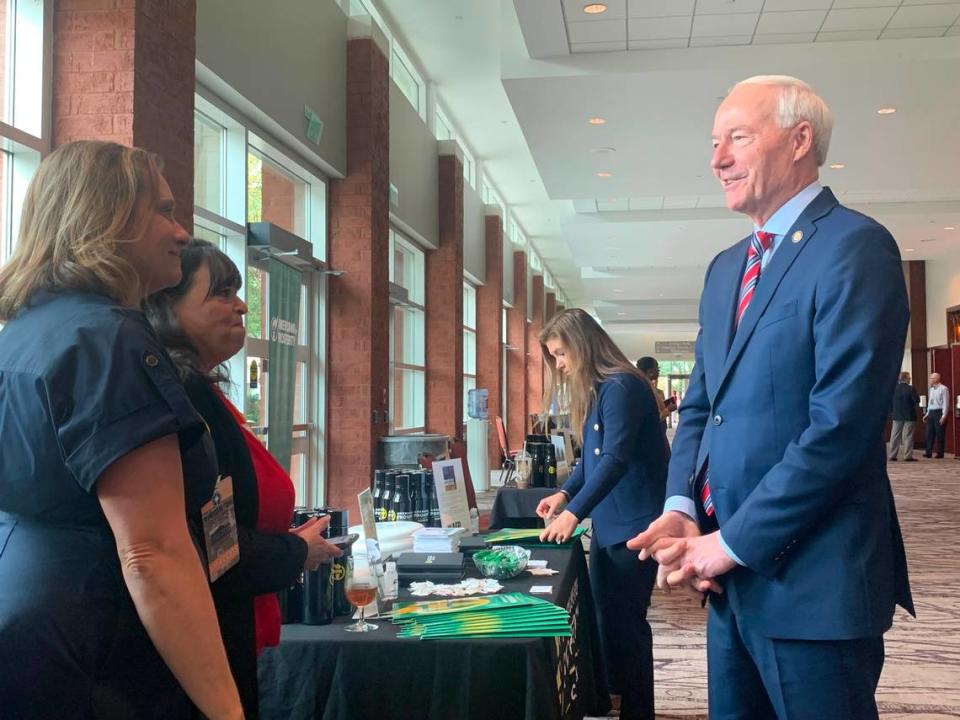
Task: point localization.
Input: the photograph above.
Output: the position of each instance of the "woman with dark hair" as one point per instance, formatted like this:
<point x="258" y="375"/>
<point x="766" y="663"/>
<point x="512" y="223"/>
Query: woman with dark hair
<point x="620" y="483"/>
<point x="200" y="320"/>
<point x="105" y="611"/>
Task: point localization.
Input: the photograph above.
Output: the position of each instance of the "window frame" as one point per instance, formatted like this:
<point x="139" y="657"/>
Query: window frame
<point x="240" y="136"/>
<point x="469" y="291"/>
<point x="24" y="145"/>
<point x="415" y="309"/>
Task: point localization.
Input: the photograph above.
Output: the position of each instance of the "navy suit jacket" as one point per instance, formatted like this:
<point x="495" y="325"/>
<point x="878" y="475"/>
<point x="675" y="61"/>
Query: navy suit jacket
<point x="789" y="410"/>
<point x="621" y="478"/>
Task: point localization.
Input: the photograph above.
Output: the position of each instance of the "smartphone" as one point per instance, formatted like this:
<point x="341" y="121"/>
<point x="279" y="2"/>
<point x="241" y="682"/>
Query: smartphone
<point x="344" y="541"/>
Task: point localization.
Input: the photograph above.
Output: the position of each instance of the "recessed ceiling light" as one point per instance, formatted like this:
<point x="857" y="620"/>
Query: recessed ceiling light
<point x="594" y="8"/>
<point x="621" y="313"/>
<point x="603" y="150"/>
<point x="838" y="166"/>
<point x="604" y="174"/>
<point x="909" y="250"/>
<point x="617" y="290"/>
<point x="886" y="111"/>
<point x="949" y="227"/>
<point x="597" y="121"/>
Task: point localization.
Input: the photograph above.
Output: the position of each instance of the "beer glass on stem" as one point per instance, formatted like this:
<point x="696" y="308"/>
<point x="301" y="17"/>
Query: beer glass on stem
<point x="361" y="587"/>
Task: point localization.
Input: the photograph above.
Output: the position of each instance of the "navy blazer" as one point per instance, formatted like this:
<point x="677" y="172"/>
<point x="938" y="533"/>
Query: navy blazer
<point x="790" y="411"/>
<point x="620" y="480"/>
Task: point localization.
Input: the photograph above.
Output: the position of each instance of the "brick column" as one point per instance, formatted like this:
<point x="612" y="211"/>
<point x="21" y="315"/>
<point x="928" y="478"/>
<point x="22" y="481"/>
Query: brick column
<point x="517" y="357"/>
<point x="444" y="333"/>
<point x="127" y="75"/>
<point x="359" y="329"/>
<point x="534" y="354"/>
<point x="549" y="307"/>
<point x="490" y="332"/>
<point x="915" y="272"/>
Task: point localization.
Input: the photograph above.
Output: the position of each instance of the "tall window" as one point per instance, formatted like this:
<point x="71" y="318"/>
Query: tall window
<point x="442" y="128"/>
<point x="407" y="338"/>
<point x="26" y="32"/>
<point x="241" y="178"/>
<point x="469" y="342"/>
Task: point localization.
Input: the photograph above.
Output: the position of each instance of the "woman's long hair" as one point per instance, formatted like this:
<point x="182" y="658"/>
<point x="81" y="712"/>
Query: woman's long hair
<point x="160" y="307"/>
<point x="87" y="199"/>
<point x="593" y="358"/>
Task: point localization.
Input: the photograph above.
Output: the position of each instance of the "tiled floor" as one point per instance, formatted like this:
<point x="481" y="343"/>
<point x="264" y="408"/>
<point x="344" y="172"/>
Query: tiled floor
<point x="921" y="677"/>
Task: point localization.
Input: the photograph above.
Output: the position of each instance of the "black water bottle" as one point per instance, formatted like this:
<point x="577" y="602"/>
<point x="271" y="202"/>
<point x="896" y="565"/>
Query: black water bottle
<point x="423" y="504"/>
<point x="378" y="488"/>
<point x="339" y="525"/>
<point x="318" y="599"/>
<point x="413" y="496"/>
<point x="402" y="497"/>
<point x="310" y="600"/>
<point x="387" y="509"/>
<point x="435" y="519"/>
<point x="550" y="464"/>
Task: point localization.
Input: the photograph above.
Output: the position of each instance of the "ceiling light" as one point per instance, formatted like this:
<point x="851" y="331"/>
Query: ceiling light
<point x="604" y="174"/>
<point x="594" y="8"/>
<point x="886" y="111"/>
<point x="597" y="121"/>
<point x="949" y="227"/>
<point x="603" y="150"/>
<point x="910" y="250"/>
<point x="838" y="166"/>
<point x="617" y="290"/>
<point x="621" y="313"/>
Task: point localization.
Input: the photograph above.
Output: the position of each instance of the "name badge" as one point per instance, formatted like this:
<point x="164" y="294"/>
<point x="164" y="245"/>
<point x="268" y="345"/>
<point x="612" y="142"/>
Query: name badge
<point x="220" y="530"/>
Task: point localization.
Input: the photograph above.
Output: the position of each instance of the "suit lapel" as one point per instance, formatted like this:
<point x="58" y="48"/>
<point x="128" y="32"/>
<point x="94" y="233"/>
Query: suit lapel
<point x="790" y="248"/>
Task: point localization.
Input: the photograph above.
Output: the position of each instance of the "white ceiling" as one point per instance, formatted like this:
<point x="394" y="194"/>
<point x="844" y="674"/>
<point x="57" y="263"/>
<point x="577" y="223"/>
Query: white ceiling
<point x="662" y="24"/>
<point x="637" y="243"/>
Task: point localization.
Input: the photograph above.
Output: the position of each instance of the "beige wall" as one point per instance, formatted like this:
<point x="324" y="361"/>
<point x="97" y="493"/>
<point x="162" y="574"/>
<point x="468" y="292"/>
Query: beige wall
<point x="280" y="61"/>
<point x="943" y="291"/>
<point x="414" y="169"/>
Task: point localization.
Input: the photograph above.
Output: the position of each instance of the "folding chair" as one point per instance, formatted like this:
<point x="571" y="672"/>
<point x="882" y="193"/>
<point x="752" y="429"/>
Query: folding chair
<point x="508" y="466"/>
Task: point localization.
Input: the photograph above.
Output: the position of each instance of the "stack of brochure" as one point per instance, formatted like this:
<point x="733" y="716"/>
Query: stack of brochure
<point x="527" y="537"/>
<point x="509" y="615"/>
<point x="437" y="540"/>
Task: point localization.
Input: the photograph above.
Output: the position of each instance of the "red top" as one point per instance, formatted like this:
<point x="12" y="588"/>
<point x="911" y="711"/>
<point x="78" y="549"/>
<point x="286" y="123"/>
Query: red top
<point x="276" y="497"/>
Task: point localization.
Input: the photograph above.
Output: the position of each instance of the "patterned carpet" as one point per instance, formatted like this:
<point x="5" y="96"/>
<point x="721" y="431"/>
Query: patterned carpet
<point x="921" y="677"/>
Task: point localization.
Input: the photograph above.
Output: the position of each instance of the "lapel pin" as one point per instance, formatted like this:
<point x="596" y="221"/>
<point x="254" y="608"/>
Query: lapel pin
<point x="797" y="236"/>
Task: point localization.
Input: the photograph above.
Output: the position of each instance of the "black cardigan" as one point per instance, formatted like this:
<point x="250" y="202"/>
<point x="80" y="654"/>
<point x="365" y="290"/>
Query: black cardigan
<point x="269" y="562"/>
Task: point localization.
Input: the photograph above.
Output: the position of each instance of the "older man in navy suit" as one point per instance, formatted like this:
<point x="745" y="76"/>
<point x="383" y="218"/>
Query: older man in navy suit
<point x="778" y="502"/>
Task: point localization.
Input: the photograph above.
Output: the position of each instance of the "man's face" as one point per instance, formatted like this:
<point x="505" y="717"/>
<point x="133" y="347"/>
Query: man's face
<point x="753" y="158"/>
<point x="935" y="379"/>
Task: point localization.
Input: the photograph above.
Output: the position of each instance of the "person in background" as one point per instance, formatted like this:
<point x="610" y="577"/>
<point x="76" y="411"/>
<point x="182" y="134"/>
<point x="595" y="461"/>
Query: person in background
<point x="905" y="402"/>
<point x="938" y="407"/>
<point x="620" y="483"/>
<point x="778" y="491"/>
<point x="200" y="321"/>
<point x="651" y="369"/>
<point x="105" y="609"/>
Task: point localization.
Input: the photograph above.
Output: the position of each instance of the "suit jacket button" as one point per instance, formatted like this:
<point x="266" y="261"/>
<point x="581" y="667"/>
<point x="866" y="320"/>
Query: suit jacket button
<point x="596" y="426"/>
<point x="596" y="451"/>
<point x="717" y="420"/>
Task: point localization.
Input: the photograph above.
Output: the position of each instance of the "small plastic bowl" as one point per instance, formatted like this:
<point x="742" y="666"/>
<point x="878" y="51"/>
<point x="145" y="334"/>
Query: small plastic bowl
<point x="502" y="562"/>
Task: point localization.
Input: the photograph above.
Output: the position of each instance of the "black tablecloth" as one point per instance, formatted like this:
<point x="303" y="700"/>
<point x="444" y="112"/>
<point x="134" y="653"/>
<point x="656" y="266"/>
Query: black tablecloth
<point x="517" y="508"/>
<point x="326" y="673"/>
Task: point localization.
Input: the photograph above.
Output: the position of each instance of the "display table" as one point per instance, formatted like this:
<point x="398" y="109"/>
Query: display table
<point x="517" y="507"/>
<point x="326" y="673"/>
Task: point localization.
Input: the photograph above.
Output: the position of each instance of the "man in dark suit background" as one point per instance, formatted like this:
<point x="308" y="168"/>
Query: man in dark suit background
<point x="904" y="406"/>
<point x="778" y="501"/>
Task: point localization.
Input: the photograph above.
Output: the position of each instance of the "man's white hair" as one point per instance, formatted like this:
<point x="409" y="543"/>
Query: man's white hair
<point x="798" y="102"/>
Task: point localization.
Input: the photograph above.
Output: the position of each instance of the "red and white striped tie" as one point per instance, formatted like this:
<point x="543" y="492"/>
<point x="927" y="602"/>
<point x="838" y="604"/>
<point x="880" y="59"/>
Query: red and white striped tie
<point x="751" y="275"/>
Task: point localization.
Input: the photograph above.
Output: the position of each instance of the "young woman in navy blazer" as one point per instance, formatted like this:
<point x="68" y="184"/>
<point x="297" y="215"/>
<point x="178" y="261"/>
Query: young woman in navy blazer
<point x="620" y="483"/>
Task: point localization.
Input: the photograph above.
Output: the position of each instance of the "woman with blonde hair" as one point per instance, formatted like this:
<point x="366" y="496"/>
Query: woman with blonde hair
<point x="620" y="483"/>
<point x="105" y="610"/>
